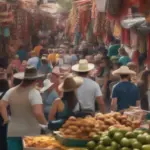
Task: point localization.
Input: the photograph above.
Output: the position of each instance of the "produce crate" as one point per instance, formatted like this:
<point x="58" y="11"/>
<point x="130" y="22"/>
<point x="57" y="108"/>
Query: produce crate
<point x="35" y="148"/>
<point x="69" y="142"/>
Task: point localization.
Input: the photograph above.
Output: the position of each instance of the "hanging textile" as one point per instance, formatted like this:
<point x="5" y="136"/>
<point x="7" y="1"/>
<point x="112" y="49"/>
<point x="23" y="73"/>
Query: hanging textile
<point x="6" y="14"/>
<point x="101" y="5"/>
<point x="142" y="43"/>
<point x="84" y="19"/>
<point x="117" y="30"/>
<point x="135" y="56"/>
<point x="117" y="8"/>
<point x="99" y="25"/>
<point x="144" y="6"/>
<point x="93" y="15"/>
<point x="133" y="39"/>
<point x="125" y="36"/>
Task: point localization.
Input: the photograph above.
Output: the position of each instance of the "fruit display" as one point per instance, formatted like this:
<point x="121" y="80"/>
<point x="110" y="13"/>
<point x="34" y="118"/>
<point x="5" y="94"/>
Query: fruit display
<point x="45" y="142"/>
<point x="85" y="128"/>
<point x="120" y="139"/>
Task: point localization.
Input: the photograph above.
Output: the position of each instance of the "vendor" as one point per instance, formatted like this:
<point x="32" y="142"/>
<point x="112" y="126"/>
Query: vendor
<point x="69" y="99"/>
<point x="26" y="109"/>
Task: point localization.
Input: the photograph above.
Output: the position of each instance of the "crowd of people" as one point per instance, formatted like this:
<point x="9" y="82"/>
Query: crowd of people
<point x="44" y="87"/>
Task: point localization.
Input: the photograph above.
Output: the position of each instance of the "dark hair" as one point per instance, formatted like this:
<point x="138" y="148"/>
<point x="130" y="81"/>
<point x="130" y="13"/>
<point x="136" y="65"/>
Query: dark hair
<point x="16" y="81"/>
<point x="27" y="82"/>
<point x="124" y="76"/>
<point x="4" y="85"/>
<point x="107" y="61"/>
<point x="82" y="73"/>
<point x="144" y="79"/>
<point x="122" y="51"/>
<point x="71" y="99"/>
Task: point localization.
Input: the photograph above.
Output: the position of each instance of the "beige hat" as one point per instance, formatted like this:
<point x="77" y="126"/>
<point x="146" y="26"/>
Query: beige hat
<point x="83" y="66"/>
<point x="70" y="83"/>
<point x="47" y="84"/>
<point x="123" y="70"/>
<point x="30" y="74"/>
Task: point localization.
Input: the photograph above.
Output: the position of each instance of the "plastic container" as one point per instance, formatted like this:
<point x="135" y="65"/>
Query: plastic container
<point x="69" y="142"/>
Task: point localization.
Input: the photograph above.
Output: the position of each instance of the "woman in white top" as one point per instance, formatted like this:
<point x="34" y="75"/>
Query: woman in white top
<point x="26" y="109"/>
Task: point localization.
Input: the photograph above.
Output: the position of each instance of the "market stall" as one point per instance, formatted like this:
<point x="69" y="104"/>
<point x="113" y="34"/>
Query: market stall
<point x="112" y="131"/>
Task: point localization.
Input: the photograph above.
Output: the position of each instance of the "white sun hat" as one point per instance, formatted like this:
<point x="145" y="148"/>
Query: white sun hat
<point x="47" y="84"/>
<point x="123" y="70"/>
<point x="83" y="66"/>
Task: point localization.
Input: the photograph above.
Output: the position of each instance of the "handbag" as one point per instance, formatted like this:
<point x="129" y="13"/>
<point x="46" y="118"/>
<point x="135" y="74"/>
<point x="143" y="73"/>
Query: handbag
<point x="83" y="112"/>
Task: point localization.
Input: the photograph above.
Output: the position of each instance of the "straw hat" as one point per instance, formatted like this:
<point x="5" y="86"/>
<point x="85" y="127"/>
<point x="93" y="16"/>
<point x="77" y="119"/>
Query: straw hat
<point x="123" y="70"/>
<point x="47" y="84"/>
<point x="70" y="83"/>
<point x="83" y="66"/>
<point x="30" y="74"/>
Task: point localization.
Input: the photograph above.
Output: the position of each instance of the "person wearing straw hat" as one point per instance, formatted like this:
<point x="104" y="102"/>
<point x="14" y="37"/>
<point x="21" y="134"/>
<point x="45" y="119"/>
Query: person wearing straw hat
<point x="63" y="109"/>
<point x="49" y="95"/>
<point x="89" y="92"/>
<point x="125" y="93"/>
<point x="26" y="109"/>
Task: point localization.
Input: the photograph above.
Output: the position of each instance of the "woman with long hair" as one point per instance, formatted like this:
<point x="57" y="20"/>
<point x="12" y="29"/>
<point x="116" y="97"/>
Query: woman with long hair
<point x="144" y="87"/>
<point x="69" y="99"/>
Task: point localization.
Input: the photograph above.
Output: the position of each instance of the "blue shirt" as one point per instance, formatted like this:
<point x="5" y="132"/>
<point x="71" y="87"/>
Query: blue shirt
<point x="22" y="54"/>
<point x="126" y="93"/>
<point x="48" y="99"/>
<point x="33" y="62"/>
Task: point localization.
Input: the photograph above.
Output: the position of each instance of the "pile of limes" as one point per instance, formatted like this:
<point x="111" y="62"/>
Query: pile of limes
<point x="117" y="139"/>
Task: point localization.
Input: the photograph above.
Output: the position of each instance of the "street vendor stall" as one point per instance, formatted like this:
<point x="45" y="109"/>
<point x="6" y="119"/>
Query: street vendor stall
<point x="110" y="131"/>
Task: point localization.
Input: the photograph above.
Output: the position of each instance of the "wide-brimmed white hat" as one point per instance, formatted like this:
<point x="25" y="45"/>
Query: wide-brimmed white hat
<point x="123" y="70"/>
<point x="70" y="83"/>
<point x="83" y="66"/>
<point x="47" y="84"/>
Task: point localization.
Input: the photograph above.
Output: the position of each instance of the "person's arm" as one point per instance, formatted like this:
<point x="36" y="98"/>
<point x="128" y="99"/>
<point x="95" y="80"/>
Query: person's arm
<point x="101" y="103"/>
<point x="99" y="99"/>
<point x="38" y="113"/>
<point x="37" y="106"/>
<point x="113" y="104"/>
<point x="53" y="110"/>
<point x="114" y="99"/>
<point x="3" y="111"/>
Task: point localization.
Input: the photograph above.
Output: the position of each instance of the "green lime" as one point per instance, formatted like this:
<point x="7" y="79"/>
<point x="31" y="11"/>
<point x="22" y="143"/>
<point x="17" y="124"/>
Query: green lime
<point x="114" y="145"/>
<point x="91" y="145"/>
<point x="141" y="138"/>
<point x="137" y="132"/>
<point x="137" y="145"/>
<point x="96" y="138"/>
<point x="125" y="148"/>
<point x="146" y="147"/>
<point x="133" y="140"/>
<point x="125" y="142"/>
<point x="148" y="139"/>
<point x="109" y="148"/>
<point x="118" y="136"/>
<point x="112" y="131"/>
<point x="130" y="135"/>
<point x="123" y="131"/>
<point x="106" y="141"/>
<point x="100" y="147"/>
